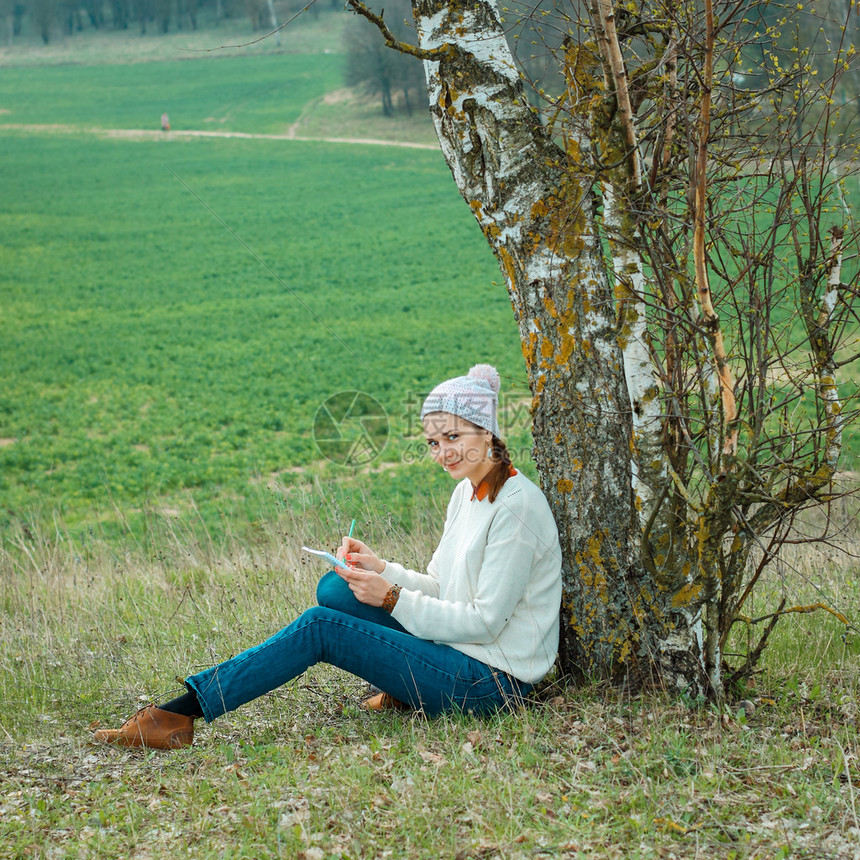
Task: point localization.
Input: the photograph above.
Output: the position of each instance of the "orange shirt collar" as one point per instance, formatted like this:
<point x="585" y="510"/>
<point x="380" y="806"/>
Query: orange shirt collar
<point x="480" y="492"/>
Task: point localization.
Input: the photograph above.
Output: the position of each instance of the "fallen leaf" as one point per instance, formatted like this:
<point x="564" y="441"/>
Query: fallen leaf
<point x="475" y="738"/>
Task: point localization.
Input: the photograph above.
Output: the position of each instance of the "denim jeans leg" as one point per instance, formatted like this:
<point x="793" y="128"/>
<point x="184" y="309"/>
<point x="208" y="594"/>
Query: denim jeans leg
<point x="334" y="593"/>
<point x="425" y="674"/>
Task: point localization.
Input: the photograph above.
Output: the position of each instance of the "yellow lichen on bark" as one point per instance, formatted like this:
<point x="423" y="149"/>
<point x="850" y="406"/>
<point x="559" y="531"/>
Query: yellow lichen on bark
<point x="529" y="347"/>
<point x="539" y="210"/>
<point x="686" y="595"/>
<point x="581" y="74"/>
<point x="508" y="265"/>
<point x="447" y="96"/>
<point x="549" y="305"/>
<point x="566" y="227"/>
<point x="592" y="565"/>
<point x="566" y="347"/>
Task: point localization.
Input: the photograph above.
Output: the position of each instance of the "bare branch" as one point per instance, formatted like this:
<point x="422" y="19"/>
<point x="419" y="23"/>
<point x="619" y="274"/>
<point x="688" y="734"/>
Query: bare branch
<point x="711" y="319"/>
<point x="800" y="609"/>
<point x="442" y="52"/>
<point x="615" y="69"/>
<point x="755" y="655"/>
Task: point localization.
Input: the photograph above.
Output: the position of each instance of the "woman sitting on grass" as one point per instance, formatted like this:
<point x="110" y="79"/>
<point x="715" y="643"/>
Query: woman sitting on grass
<point x="475" y="632"/>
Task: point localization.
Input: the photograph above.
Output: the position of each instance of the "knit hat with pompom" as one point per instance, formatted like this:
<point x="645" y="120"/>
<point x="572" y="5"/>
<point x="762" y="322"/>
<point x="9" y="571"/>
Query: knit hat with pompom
<point x="474" y="397"/>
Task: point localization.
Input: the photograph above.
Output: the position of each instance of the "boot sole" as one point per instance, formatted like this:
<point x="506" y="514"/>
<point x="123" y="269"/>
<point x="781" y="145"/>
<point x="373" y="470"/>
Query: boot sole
<point x="171" y="742"/>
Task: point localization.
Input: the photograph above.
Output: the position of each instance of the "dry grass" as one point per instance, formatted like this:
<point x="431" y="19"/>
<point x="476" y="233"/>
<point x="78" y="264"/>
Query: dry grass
<point x="89" y="630"/>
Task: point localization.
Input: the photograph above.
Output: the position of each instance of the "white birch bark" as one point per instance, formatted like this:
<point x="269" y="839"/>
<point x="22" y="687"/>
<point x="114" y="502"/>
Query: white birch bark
<point x="828" y="390"/>
<point x="648" y="464"/>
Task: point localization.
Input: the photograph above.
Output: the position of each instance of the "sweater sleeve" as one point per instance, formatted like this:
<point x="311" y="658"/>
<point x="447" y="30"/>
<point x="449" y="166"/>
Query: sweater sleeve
<point x="423" y="583"/>
<point x="510" y="553"/>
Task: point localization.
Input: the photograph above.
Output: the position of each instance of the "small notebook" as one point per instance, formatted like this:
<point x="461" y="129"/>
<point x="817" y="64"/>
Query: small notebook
<point x="331" y="559"/>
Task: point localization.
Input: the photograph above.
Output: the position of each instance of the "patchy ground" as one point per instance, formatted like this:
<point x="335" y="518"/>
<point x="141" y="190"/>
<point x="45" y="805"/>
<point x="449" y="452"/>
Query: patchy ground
<point x="154" y="134"/>
<point x="306" y="774"/>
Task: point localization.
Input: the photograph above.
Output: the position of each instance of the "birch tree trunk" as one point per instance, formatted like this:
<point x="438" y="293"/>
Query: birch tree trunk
<point x="536" y="205"/>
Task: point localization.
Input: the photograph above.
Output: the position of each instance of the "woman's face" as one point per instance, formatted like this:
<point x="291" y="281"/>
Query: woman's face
<point x="462" y="449"/>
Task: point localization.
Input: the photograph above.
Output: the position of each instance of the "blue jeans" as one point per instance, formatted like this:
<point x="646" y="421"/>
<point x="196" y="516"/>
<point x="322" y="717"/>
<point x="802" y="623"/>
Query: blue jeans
<point x="368" y="642"/>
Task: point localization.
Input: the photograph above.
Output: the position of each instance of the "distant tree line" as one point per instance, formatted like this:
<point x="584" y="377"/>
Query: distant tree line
<point x="49" y="19"/>
<point x="396" y="79"/>
<point x="372" y="68"/>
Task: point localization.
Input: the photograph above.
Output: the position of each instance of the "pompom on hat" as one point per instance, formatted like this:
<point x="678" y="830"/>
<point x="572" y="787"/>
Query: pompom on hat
<point x="474" y="397"/>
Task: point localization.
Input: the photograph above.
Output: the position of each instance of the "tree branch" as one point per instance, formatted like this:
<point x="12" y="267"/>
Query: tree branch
<point x="801" y="609"/>
<point x="754" y="656"/>
<point x="703" y="289"/>
<point x="603" y="16"/>
<point x="442" y="52"/>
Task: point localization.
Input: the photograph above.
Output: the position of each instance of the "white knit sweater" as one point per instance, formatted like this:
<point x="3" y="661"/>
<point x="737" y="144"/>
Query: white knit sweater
<point x="493" y="587"/>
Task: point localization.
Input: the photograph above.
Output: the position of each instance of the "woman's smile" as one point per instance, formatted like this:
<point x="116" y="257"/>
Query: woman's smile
<point x="459" y="447"/>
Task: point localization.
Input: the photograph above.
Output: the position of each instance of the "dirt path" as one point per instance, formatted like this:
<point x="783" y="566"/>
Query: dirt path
<point x="153" y="134"/>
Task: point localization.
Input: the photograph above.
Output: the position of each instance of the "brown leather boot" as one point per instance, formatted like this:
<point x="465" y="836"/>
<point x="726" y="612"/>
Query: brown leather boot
<point x="153" y="728"/>
<point x="384" y="702"/>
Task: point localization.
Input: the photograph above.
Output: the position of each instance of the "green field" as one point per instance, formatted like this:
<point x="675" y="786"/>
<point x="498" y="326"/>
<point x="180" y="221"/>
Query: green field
<point x="175" y="311"/>
<point x="252" y="94"/>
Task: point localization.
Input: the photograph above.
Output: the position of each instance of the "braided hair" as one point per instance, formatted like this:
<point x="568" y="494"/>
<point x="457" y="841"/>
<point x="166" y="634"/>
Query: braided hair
<point x="501" y="470"/>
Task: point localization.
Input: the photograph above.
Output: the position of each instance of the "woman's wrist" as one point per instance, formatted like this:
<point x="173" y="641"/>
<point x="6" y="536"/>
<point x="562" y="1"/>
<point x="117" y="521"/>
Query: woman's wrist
<point x="390" y="599"/>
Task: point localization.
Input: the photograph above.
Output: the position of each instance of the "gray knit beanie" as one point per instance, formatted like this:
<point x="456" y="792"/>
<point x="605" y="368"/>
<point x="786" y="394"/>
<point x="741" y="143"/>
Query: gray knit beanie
<point x="474" y="397"/>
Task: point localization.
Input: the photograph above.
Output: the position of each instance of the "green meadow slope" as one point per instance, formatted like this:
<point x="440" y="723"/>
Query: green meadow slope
<point x="176" y="310"/>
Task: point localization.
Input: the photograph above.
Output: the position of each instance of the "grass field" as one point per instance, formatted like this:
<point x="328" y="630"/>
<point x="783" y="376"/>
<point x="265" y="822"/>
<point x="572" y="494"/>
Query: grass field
<point x="89" y="631"/>
<point x="176" y="311"/>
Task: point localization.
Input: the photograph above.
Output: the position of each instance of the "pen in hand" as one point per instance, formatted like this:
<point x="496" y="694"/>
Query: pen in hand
<point x="349" y="535"/>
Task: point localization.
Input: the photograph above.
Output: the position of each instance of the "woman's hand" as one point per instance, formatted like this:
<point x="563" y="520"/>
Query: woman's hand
<point x="369" y="588"/>
<point x="359" y="555"/>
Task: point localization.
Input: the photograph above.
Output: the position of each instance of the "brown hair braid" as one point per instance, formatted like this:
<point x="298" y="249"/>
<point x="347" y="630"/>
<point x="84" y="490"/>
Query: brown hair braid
<point x="501" y="470"/>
